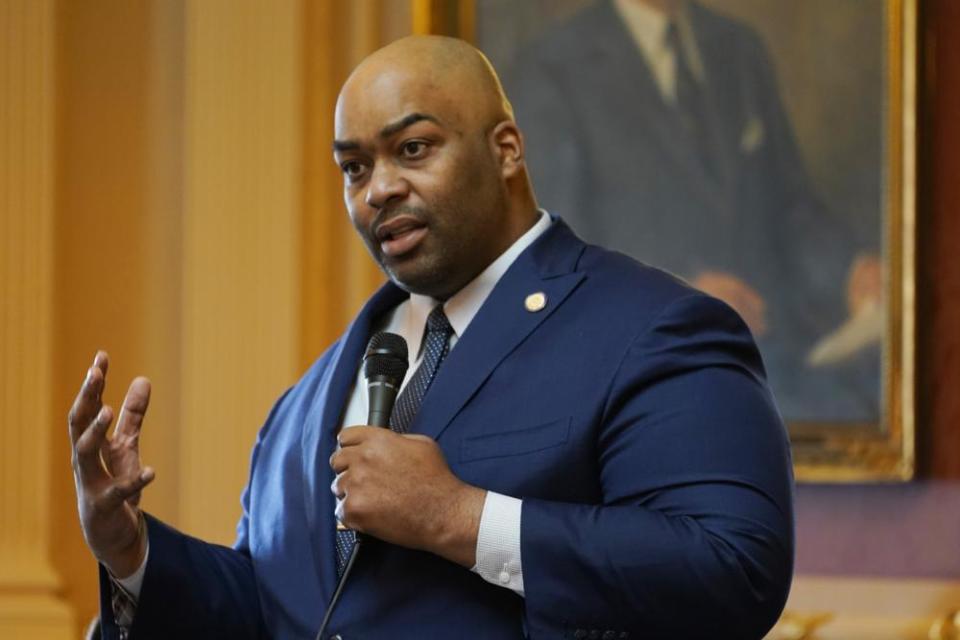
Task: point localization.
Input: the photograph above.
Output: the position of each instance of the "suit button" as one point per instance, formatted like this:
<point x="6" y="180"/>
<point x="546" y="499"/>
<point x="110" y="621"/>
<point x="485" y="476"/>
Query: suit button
<point x="580" y="634"/>
<point x="336" y="637"/>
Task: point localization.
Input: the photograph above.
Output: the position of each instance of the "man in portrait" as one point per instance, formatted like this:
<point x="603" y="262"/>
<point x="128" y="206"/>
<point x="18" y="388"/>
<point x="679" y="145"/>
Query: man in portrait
<point x="656" y="127"/>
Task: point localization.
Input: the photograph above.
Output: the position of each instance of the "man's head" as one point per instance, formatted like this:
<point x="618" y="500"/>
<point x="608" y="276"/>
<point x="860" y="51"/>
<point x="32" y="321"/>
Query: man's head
<point x="432" y="161"/>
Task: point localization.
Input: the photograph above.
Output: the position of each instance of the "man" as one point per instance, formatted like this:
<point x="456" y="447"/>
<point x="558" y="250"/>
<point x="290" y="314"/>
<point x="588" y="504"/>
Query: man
<point x="656" y="127"/>
<point x="588" y="449"/>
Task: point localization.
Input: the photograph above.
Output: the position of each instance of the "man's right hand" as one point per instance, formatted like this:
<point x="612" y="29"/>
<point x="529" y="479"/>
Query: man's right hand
<point x="738" y="294"/>
<point x="107" y="471"/>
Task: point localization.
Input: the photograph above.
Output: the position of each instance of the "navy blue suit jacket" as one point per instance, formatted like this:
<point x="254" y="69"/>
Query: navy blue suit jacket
<point x="630" y="415"/>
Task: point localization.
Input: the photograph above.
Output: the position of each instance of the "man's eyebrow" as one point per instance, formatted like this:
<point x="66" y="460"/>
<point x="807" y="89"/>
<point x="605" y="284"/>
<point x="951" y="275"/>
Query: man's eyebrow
<point x="387" y="131"/>
<point x="345" y="145"/>
<point x="405" y="122"/>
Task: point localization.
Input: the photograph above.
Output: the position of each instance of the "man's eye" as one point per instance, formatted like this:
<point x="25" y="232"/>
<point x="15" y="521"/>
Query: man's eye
<point x="413" y="149"/>
<point x="352" y="169"/>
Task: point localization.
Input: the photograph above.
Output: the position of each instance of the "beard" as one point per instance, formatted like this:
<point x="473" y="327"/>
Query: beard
<point x="427" y="269"/>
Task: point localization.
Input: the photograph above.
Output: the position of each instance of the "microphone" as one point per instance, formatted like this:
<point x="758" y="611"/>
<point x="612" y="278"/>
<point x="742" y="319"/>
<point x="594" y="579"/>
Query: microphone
<point x="384" y="366"/>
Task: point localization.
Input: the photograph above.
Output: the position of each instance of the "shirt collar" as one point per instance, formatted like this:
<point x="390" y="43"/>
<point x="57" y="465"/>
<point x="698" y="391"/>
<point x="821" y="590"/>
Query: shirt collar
<point x="648" y="28"/>
<point x="463" y="305"/>
<point x="647" y="25"/>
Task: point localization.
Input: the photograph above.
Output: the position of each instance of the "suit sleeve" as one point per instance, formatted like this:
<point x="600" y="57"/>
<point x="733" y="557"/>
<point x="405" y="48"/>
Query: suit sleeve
<point x="191" y="589"/>
<point x="695" y="534"/>
<point x="194" y="589"/>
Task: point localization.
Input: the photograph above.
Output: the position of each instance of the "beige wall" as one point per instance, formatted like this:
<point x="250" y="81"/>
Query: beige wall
<point x="169" y="196"/>
<point x="31" y="604"/>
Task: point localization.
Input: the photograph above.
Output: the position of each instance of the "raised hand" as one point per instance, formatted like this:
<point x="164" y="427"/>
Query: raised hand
<point x="107" y="471"/>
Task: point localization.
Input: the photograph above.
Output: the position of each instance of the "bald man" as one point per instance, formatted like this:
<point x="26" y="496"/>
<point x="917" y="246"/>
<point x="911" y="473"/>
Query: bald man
<point x="583" y="447"/>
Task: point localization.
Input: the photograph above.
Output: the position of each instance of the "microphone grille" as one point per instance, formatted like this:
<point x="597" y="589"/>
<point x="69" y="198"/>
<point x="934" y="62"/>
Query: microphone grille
<point x="386" y="356"/>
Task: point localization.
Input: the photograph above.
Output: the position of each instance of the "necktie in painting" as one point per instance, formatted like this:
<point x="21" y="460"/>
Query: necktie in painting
<point x="690" y="105"/>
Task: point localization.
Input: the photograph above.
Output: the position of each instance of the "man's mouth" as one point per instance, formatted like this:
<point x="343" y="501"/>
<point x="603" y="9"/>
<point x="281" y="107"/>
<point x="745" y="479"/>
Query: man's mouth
<point x="400" y="235"/>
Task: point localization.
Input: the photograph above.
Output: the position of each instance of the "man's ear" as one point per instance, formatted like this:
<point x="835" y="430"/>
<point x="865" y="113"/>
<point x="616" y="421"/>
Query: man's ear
<point x="507" y="144"/>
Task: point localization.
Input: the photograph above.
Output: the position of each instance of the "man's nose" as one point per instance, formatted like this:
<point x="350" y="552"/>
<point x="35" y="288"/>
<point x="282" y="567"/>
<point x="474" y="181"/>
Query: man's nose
<point x="386" y="183"/>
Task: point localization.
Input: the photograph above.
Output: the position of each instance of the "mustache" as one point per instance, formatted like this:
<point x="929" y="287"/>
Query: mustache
<point x="385" y="215"/>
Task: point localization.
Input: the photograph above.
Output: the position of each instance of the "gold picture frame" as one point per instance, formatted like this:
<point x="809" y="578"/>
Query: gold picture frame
<point x="885" y="451"/>
<point x="827" y="452"/>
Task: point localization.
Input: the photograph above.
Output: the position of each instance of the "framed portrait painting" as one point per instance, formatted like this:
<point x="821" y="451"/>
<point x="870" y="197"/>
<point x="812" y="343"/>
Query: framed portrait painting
<point x="762" y="150"/>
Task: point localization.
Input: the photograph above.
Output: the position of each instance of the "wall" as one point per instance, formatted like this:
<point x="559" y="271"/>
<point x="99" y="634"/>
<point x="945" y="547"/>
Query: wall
<point x="177" y="217"/>
<point x="31" y="602"/>
<point x="197" y="233"/>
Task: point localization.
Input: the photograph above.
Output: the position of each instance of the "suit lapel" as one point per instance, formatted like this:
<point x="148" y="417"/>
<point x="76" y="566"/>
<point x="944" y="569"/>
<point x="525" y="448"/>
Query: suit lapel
<point x="318" y="438"/>
<point x="721" y="113"/>
<point x="501" y="324"/>
<point x="631" y="74"/>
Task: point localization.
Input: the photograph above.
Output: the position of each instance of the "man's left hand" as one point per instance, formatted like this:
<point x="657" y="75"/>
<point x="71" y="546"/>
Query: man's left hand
<point x="399" y="488"/>
<point x="864" y="283"/>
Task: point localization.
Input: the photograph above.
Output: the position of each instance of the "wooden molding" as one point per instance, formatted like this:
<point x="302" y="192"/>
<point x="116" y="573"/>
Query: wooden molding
<point x="832" y="608"/>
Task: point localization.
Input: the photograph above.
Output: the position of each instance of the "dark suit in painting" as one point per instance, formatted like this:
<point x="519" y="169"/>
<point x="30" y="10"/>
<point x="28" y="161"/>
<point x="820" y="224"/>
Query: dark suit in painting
<point x="607" y="152"/>
<point x="630" y="414"/>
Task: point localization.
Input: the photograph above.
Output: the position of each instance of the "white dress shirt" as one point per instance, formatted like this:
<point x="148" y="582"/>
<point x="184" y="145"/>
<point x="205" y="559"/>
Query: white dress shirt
<point x="498" y="541"/>
<point x="648" y="28"/>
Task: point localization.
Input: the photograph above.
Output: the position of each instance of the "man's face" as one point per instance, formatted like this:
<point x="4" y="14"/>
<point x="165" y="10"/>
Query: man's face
<point x="421" y="183"/>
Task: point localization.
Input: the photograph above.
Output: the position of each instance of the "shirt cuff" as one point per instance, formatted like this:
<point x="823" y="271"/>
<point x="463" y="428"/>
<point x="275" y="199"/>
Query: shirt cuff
<point x="134" y="582"/>
<point x="498" y="542"/>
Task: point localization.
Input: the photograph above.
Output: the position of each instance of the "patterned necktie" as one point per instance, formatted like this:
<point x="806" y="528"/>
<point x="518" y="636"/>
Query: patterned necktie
<point x="436" y="344"/>
<point x="690" y="101"/>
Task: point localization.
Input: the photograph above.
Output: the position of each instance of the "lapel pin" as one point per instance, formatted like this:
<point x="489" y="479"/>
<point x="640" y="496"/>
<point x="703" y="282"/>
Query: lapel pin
<point x="535" y="301"/>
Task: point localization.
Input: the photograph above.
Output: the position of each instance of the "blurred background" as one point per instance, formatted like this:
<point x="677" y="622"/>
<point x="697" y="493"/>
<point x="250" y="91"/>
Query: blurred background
<point x="167" y="193"/>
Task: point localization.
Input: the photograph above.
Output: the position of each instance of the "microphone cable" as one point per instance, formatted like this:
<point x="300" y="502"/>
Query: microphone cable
<point x="340" y="584"/>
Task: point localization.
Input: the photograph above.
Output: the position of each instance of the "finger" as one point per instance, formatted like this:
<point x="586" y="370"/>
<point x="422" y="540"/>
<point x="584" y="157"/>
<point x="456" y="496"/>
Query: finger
<point x="335" y="486"/>
<point x="748" y="296"/>
<point x="87" y="403"/>
<point x="751" y="313"/>
<point x="759" y="327"/>
<point x="748" y="304"/>
<point x="105" y="454"/>
<point x="352" y="436"/>
<point x="102" y="361"/>
<point x="120" y="490"/>
<point x="134" y="408"/>
<point x="134" y="498"/>
<point x="752" y="316"/>
<point x="340" y="461"/>
<point x="87" y="448"/>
